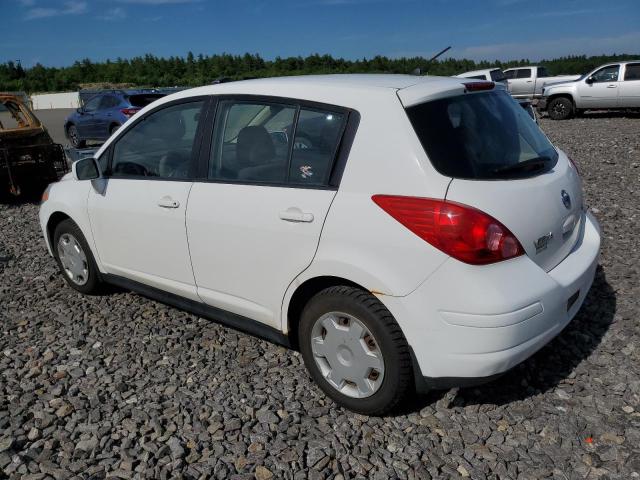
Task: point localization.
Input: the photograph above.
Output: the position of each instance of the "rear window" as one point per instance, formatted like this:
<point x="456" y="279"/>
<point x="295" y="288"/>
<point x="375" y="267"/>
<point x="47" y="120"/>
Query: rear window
<point x="510" y="74"/>
<point x="143" y="99"/>
<point x="523" y="73"/>
<point x="482" y="136"/>
<point x="498" y="76"/>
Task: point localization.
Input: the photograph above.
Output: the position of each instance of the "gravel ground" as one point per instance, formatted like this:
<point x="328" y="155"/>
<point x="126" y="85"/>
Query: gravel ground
<point x="121" y="386"/>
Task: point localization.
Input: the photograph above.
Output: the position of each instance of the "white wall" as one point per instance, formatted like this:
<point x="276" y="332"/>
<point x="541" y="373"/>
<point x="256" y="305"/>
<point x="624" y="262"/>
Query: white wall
<point x="46" y="101"/>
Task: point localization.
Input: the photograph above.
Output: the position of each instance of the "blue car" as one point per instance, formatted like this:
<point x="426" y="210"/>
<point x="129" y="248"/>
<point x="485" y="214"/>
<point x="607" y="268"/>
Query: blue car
<point x="103" y="114"/>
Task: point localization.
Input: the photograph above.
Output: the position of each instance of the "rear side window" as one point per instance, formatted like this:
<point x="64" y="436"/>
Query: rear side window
<point x="542" y="72"/>
<point x="262" y="143"/>
<point x="250" y="142"/>
<point x="632" y="72"/>
<point x="510" y="74"/>
<point x="498" y="76"/>
<point x="482" y="136"/>
<point x="523" y="73"/>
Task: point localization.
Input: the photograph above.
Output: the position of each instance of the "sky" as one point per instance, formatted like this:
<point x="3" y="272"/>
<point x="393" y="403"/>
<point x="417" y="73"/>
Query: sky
<point x="59" y="32"/>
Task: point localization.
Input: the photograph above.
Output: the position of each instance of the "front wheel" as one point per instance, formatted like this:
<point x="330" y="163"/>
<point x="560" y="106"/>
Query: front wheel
<point x="74" y="258"/>
<point x="355" y="350"/>
<point x="560" y="108"/>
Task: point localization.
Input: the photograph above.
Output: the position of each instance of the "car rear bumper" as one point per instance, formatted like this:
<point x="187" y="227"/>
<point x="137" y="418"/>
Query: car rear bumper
<point x="466" y="324"/>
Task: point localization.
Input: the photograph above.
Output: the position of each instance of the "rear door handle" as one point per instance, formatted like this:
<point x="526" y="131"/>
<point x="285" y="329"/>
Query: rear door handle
<point x="611" y="86"/>
<point x="294" y="214"/>
<point x="168" y="202"/>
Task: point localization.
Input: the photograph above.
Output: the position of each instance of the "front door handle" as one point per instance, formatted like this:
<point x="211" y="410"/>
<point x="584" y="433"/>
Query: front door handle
<point x="611" y="86"/>
<point x="168" y="202"/>
<point x="294" y="214"/>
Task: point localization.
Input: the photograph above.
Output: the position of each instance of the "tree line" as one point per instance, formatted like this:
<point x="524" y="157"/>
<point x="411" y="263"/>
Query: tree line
<point x="152" y="71"/>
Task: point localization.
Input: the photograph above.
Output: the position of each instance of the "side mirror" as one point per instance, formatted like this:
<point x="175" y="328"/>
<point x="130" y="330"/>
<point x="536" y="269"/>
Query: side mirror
<point x="86" y="169"/>
<point x="589" y="80"/>
<point x="80" y="110"/>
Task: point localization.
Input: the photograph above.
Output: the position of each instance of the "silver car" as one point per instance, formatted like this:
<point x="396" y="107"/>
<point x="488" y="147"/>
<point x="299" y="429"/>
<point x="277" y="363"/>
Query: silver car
<point x="611" y="87"/>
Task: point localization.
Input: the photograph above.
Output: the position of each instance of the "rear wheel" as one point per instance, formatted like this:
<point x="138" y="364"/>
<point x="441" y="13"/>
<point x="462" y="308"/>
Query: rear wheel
<point x="74" y="258"/>
<point x="560" y="108"/>
<point x="355" y="350"/>
<point x="74" y="137"/>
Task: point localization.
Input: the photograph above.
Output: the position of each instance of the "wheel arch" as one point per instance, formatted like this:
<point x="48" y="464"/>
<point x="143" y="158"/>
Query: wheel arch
<point x="301" y="296"/>
<point x="553" y="96"/>
<point x="54" y="220"/>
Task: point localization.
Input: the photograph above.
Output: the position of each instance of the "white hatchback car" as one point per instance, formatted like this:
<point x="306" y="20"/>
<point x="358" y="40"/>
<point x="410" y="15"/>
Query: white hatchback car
<point x="402" y="232"/>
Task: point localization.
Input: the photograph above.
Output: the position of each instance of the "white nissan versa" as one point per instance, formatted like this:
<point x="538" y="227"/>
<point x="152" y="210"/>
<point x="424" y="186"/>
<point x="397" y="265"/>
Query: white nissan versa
<point x="402" y="232"/>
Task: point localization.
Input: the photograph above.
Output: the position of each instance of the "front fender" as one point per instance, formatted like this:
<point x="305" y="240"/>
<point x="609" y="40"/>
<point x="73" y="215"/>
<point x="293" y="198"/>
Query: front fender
<point x="69" y="197"/>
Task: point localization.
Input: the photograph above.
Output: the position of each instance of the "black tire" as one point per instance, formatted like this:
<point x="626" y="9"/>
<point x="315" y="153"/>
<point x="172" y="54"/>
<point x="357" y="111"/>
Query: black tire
<point x="74" y="137"/>
<point x="560" y="108"/>
<point x="398" y="380"/>
<point x="93" y="281"/>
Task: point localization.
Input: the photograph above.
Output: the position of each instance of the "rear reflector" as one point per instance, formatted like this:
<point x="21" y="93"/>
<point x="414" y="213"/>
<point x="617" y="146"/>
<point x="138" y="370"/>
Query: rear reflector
<point x="463" y="232"/>
<point x="479" y="86"/>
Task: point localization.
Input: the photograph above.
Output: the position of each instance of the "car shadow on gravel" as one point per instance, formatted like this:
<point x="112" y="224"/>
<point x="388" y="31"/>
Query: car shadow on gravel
<point x="557" y="360"/>
<point x="546" y="369"/>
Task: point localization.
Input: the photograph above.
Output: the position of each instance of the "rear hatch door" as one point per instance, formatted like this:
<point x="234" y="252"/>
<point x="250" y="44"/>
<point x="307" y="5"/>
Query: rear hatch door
<point x="534" y="209"/>
<point x="501" y="163"/>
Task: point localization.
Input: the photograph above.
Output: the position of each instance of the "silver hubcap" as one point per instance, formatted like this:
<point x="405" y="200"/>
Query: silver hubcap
<point x="73" y="259"/>
<point x="347" y="355"/>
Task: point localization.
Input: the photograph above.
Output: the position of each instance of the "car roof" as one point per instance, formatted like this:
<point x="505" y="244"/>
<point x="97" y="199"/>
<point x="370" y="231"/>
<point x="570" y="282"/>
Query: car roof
<point x="331" y="89"/>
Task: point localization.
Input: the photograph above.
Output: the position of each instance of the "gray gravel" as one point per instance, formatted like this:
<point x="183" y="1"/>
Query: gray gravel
<point x="121" y="386"/>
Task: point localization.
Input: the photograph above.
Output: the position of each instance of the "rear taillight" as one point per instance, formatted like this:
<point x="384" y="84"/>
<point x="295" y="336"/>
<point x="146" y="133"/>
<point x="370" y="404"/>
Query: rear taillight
<point x="130" y="112"/>
<point x="463" y="232"/>
<point x="478" y="86"/>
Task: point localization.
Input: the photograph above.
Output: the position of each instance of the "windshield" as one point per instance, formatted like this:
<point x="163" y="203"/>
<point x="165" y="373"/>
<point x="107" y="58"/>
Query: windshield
<point x="482" y="136"/>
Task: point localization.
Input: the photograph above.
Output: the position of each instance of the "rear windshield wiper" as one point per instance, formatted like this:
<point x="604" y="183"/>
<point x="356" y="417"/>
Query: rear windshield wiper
<point x="531" y="165"/>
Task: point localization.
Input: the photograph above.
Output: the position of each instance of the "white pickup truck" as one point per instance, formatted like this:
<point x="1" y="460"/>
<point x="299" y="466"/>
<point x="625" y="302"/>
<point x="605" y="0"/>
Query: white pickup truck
<point x="527" y="82"/>
<point x="614" y="86"/>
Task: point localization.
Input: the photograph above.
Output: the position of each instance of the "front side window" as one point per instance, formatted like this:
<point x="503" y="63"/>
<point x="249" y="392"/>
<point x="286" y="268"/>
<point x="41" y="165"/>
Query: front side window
<point x="161" y="145"/>
<point x="523" y="73"/>
<point x="632" y="72"/>
<point x="481" y="136"/>
<point x="606" y="74"/>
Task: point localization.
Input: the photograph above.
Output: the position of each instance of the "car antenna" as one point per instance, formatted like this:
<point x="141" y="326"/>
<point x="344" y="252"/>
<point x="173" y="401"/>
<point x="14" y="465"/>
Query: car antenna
<point x="418" y="71"/>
